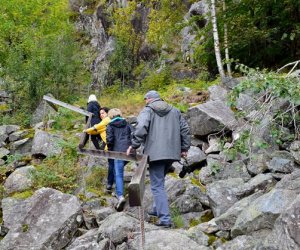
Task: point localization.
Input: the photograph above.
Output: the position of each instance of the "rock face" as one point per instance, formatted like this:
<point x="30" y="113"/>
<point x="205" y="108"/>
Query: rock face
<point x="47" y="220"/>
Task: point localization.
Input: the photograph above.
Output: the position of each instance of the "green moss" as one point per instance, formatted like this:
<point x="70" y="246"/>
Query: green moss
<point x="25" y="227"/>
<point x="211" y="239"/>
<point x="195" y="222"/>
<point x="23" y="195"/>
<point x="207" y="217"/>
<point x="196" y="182"/>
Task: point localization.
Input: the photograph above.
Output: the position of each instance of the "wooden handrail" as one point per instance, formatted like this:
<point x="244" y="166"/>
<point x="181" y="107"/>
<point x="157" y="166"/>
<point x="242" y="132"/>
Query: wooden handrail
<point x="136" y="187"/>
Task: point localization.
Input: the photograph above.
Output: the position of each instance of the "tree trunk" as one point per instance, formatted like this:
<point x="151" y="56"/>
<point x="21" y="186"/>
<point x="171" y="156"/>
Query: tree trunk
<point x="216" y="40"/>
<point x="226" y="42"/>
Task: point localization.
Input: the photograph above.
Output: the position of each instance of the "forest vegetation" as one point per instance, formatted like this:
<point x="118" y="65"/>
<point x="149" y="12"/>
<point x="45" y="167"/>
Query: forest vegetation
<point x="41" y="51"/>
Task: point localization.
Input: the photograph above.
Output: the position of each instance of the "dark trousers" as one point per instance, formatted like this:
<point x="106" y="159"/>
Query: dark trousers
<point x="96" y="139"/>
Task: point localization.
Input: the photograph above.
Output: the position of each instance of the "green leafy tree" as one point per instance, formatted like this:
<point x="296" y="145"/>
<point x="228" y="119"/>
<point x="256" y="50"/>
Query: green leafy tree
<point x="38" y="50"/>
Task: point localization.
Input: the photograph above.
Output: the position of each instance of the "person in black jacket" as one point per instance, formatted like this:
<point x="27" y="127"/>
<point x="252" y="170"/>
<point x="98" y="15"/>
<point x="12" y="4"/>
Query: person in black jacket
<point x="94" y="107"/>
<point x="118" y="138"/>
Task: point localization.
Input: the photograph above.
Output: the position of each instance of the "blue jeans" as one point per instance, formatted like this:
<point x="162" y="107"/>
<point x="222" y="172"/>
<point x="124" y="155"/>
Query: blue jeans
<point x="111" y="172"/>
<point x="119" y="175"/>
<point x="158" y="170"/>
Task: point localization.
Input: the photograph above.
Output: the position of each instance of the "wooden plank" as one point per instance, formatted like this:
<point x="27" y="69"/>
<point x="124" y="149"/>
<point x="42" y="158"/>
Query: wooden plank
<point x="66" y="105"/>
<point x="110" y="154"/>
<point x="136" y="187"/>
<point x="83" y="137"/>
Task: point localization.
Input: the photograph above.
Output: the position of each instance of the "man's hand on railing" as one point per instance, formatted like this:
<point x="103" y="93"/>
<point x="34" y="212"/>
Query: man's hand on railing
<point x="131" y="151"/>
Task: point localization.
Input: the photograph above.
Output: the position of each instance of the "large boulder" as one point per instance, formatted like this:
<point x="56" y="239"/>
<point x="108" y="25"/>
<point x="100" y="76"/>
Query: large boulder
<point x="217" y="93"/>
<point x="241" y="242"/>
<point x="165" y="240"/>
<point x="46" y="220"/>
<point x="43" y="110"/>
<point x="286" y="232"/>
<point x="19" y="180"/>
<point x="45" y="144"/>
<point x="262" y="213"/>
<point x="210" y="117"/>
<point x="227" y="220"/>
<point x="117" y="226"/>
<point x="223" y="194"/>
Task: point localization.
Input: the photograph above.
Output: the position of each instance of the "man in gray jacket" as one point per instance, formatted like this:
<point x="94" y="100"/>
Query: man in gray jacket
<point x="165" y="136"/>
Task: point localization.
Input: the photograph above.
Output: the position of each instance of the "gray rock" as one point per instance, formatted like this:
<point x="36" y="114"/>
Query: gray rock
<point x="42" y="224"/>
<point x="286" y="232"/>
<point x="222" y="194"/>
<point x="15" y="136"/>
<point x="11" y="128"/>
<point x="197" y="235"/>
<point x="258" y="163"/>
<point x="209" y="227"/>
<point x="3" y="138"/>
<point x="217" y="93"/>
<point x="190" y="201"/>
<point x="295" y="151"/>
<point x="43" y="110"/>
<point x="245" y="103"/>
<point x="21" y="147"/>
<point x="210" y="117"/>
<point x="227" y="220"/>
<point x="262" y="213"/>
<point x="214" y="145"/>
<point x="260" y="182"/>
<point x="19" y="180"/>
<point x="219" y="170"/>
<point x="4" y="152"/>
<point x="2" y="162"/>
<point x="45" y="144"/>
<point x="102" y="213"/>
<point x="290" y="182"/>
<point x="232" y="82"/>
<point x="166" y="240"/>
<point x="281" y="165"/>
<point x="195" y="156"/>
<point x="117" y="226"/>
<point x="241" y="242"/>
<point x="87" y="241"/>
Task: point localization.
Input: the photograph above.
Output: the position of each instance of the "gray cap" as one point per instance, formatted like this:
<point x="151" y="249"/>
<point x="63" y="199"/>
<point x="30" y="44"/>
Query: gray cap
<point x="152" y="94"/>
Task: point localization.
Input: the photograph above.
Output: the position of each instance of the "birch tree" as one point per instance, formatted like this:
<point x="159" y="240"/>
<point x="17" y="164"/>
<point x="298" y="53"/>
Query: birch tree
<point x="226" y="41"/>
<point x="216" y="39"/>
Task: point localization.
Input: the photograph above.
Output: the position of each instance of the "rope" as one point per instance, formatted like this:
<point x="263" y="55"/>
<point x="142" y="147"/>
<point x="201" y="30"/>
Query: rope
<point x="142" y="227"/>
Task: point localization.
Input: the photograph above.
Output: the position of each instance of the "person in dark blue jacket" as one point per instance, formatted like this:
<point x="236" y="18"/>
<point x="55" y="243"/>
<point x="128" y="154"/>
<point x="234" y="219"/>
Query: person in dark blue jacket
<point x="94" y="107"/>
<point x="118" y="138"/>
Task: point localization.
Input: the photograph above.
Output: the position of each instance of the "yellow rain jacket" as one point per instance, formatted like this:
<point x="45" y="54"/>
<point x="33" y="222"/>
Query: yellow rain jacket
<point x="100" y="128"/>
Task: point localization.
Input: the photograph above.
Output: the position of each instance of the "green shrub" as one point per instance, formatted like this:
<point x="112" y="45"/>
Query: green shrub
<point x="60" y="172"/>
<point x="176" y="217"/>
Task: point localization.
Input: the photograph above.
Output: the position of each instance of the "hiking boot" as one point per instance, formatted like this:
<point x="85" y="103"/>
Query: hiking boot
<point x="120" y="204"/>
<point x="163" y="225"/>
<point x="152" y="213"/>
<point x="109" y="188"/>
